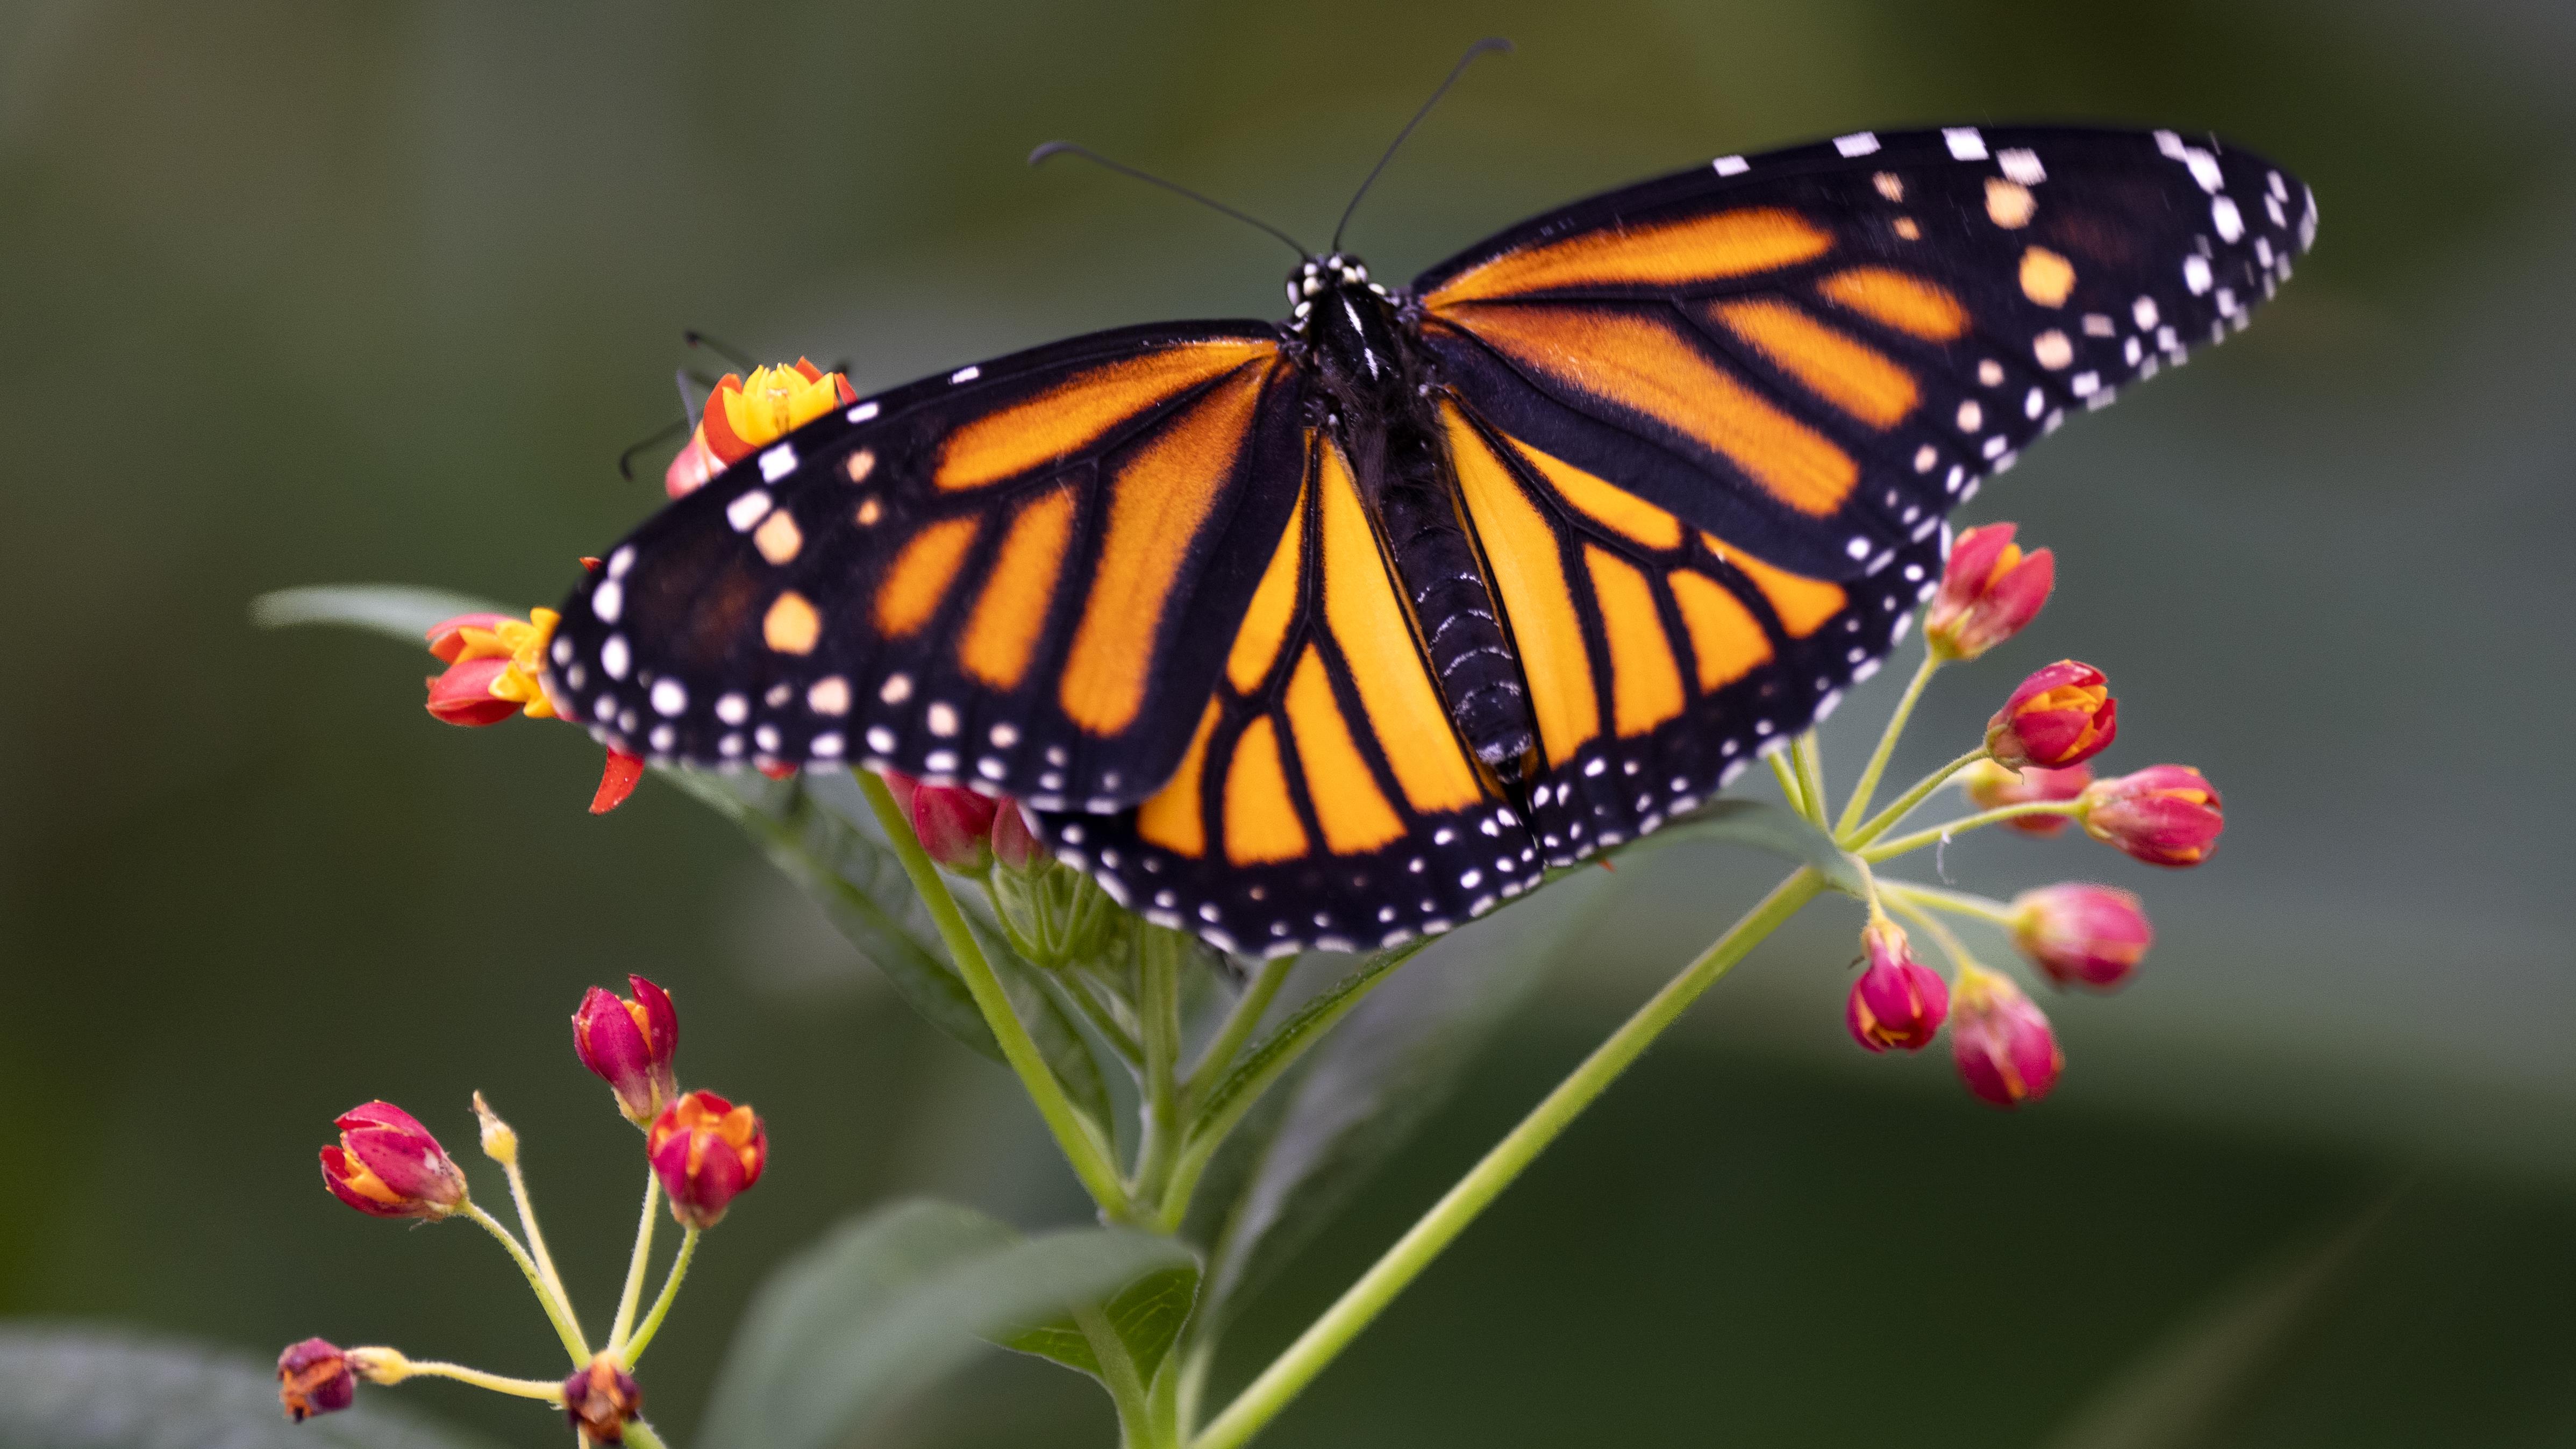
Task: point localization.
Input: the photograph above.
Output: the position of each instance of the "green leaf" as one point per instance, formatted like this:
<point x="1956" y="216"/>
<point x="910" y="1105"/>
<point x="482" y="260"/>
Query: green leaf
<point x="86" y="1388"/>
<point x="394" y="610"/>
<point x="1147" y="1315"/>
<point x="2182" y="1390"/>
<point x="1764" y="826"/>
<point x="1365" y="1089"/>
<point x="893" y="1300"/>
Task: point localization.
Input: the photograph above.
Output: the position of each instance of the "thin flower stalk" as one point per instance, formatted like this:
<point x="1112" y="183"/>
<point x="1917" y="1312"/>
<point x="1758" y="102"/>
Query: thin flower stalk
<point x="1938" y="833"/>
<point x="1810" y="761"/>
<point x="558" y="1308"/>
<point x="670" y="1294"/>
<point x="1866" y="788"/>
<point x="1238" y="1028"/>
<point x="1906" y="804"/>
<point x="1327" y="1336"/>
<point x="629" y="1296"/>
<point x="384" y="1366"/>
<point x="1791" y="791"/>
<point x="1076" y="1135"/>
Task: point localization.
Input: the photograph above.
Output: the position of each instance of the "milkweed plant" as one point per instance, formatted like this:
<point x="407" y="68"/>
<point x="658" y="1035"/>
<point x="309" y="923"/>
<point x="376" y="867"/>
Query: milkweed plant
<point x="1028" y="961"/>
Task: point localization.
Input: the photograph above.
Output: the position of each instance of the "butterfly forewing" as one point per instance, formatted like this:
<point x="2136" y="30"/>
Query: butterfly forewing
<point x="1000" y="576"/>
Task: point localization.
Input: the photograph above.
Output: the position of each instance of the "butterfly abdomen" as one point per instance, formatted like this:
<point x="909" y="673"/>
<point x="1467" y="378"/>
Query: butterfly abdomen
<point x="1461" y="629"/>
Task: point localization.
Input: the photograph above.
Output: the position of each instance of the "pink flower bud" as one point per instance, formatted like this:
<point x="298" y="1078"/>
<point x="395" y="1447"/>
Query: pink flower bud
<point x="617" y="780"/>
<point x="313" y="1377"/>
<point x="2088" y="934"/>
<point x="388" y="1165"/>
<point x="447" y="638"/>
<point x="629" y="1043"/>
<point x="1988" y="592"/>
<point x="1014" y="844"/>
<point x="600" y="1399"/>
<point x="706" y="1151"/>
<point x="1990" y="786"/>
<point x="955" y="826"/>
<point x="1898" y="1002"/>
<point x="463" y="694"/>
<point x="2061" y="715"/>
<point x="2163" y="814"/>
<point x="2001" y="1040"/>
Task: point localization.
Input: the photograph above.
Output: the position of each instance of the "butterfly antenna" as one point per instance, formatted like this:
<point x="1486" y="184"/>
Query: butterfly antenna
<point x="626" y="460"/>
<point x="1486" y="46"/>
<point x="1058" y="148"/>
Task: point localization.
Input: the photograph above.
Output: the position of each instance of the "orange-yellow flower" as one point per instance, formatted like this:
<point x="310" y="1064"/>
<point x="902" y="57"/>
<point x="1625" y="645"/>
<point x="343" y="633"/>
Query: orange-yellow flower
<point x="745" y="414"/>
<point x="492" y="663"/>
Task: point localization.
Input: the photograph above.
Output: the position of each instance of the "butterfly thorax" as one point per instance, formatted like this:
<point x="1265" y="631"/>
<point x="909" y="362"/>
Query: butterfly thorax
<point x="1379" y="409"/>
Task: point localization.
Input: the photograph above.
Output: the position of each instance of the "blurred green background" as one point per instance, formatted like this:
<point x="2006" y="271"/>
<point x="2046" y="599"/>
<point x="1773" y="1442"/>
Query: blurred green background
<point x="316" y="293"/>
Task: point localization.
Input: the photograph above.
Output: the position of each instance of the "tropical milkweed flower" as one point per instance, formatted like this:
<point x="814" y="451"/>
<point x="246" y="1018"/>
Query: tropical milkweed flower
<point x="955" y="825"/>
<point x="493" y="661"/>
<point x="1990" y="786"/>
<point x="2000" y="1039"/>
<point x="706" y="1151"/>
<point x="2082" y="934"/>
<point x="1898" y="1002"/>
<point x="745" y="414"/>
<point x="313" y="1377"/>
<point x="601" y="1398"/>
<point x="387" y="1165"/>
<point x="2163" y="814"/>
<point x="2061" y="715"/>
<point x="628" y="1042"/>
<point x="1989" y="591"/>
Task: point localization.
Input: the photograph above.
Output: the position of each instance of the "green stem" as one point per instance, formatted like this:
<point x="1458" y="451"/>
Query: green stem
<point x="1118" y="1373"/>
<point x="1075" y="989"/>
<point x="633" y="1292"/>
<point x="1327" y="1336"/>
<point x="662" y="1304"/>
<point x="558" y="1309"/>
<point x="1239" y="1025"/>
<point x="1906" y="804"/>
<point x="641" y="1435"/>
<point x="1787" y="775"/>
<point x="1158" y="1011"/>
<point x="1965" y="823"/>
<point x="1957" y="903"/>
<point x="1933" y="925"/>
<point x="414" y="1368"/>
<point x="1867" y="787"/>
<point x="1075" y="1134"/>
<point x="536" y="1240"/>
<point x="1811" y="775"/>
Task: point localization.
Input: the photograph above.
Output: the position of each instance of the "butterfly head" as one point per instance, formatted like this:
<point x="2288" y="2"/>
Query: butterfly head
<point x="1319" y="275"/>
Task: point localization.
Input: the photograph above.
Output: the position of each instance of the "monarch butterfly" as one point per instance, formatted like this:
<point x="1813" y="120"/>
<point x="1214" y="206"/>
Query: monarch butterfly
<point x="1338" y="630"/>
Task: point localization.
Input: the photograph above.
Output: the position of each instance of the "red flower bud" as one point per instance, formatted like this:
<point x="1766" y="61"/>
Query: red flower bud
<point x="2082" y="933"/>
<point x="2163" y="814"/>
<point x="1988" y="592"/>
<point x="1898" y="1002"/>
<point x="389" y="1166"/>
<point x="1014" y="844"/>
<point x="313" y="1377"/>
<point x="600" y="1399"/>
<point x="629" y="1043"/>
<point x="463" y="695"/>
<point x="617" y="780"/>
<point x="2061" y="715"/>
<point x="955" y="826"/>
<point x="706" y="1151"/>
<point x="2001" y="1040"/>
<point x="447" y="637"/>
<point x="1990" y="786"/>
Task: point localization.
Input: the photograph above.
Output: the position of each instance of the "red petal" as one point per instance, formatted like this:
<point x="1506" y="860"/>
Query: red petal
<point x="616" y="781"/>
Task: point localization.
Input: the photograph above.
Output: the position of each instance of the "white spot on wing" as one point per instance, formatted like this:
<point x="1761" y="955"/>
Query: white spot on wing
<point x="747" y="510"/>
<point x="1965" y="143"/>
<point x="1858" y="143"/>
<point x="2022" y="166"/>
<point x="777" y="463"/>
<point x="965" y="374"/>
<point x="1730" y="166"/>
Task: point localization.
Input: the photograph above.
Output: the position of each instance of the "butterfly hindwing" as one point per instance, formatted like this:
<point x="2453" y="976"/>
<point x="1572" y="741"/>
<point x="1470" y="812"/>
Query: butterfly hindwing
<point x="1819" y="351"/>
<point x="998" y="576"/>
<point x="1326" y="797"/>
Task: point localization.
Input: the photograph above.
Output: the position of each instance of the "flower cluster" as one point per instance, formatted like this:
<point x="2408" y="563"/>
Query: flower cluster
<point x="1054" y="915"/>
<point x="745" y="414"/>
<point x="493" y="663"/>
<point x="2032" y="772"/>
<point x="701" y="1150"/>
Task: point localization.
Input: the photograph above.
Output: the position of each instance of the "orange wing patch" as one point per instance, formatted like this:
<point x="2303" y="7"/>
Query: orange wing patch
<point x="1157" y="503"/>
<point x="1803" y="604"/>
<point x="1667" y="254"/>
<point x="1355" y="817"/>
<point x="1376" y="639"/>
<point x="1274" y="607"/>
<point x="1899" y="300"/>
<point x="1003" y="631"/>
<point x="1646" y="367"/>
<point x="1075" y="413"/>
<point x="1605" y="503"/>
<point x="1726" y="640"/>
<point x="1261" y="822"/>
<point x="1529" y="574"/>
<point x="1172" y="819"/>
<point x="921" y="573"/>
<point x="1645" y="684"/>
<point x="1860" y="380"/>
